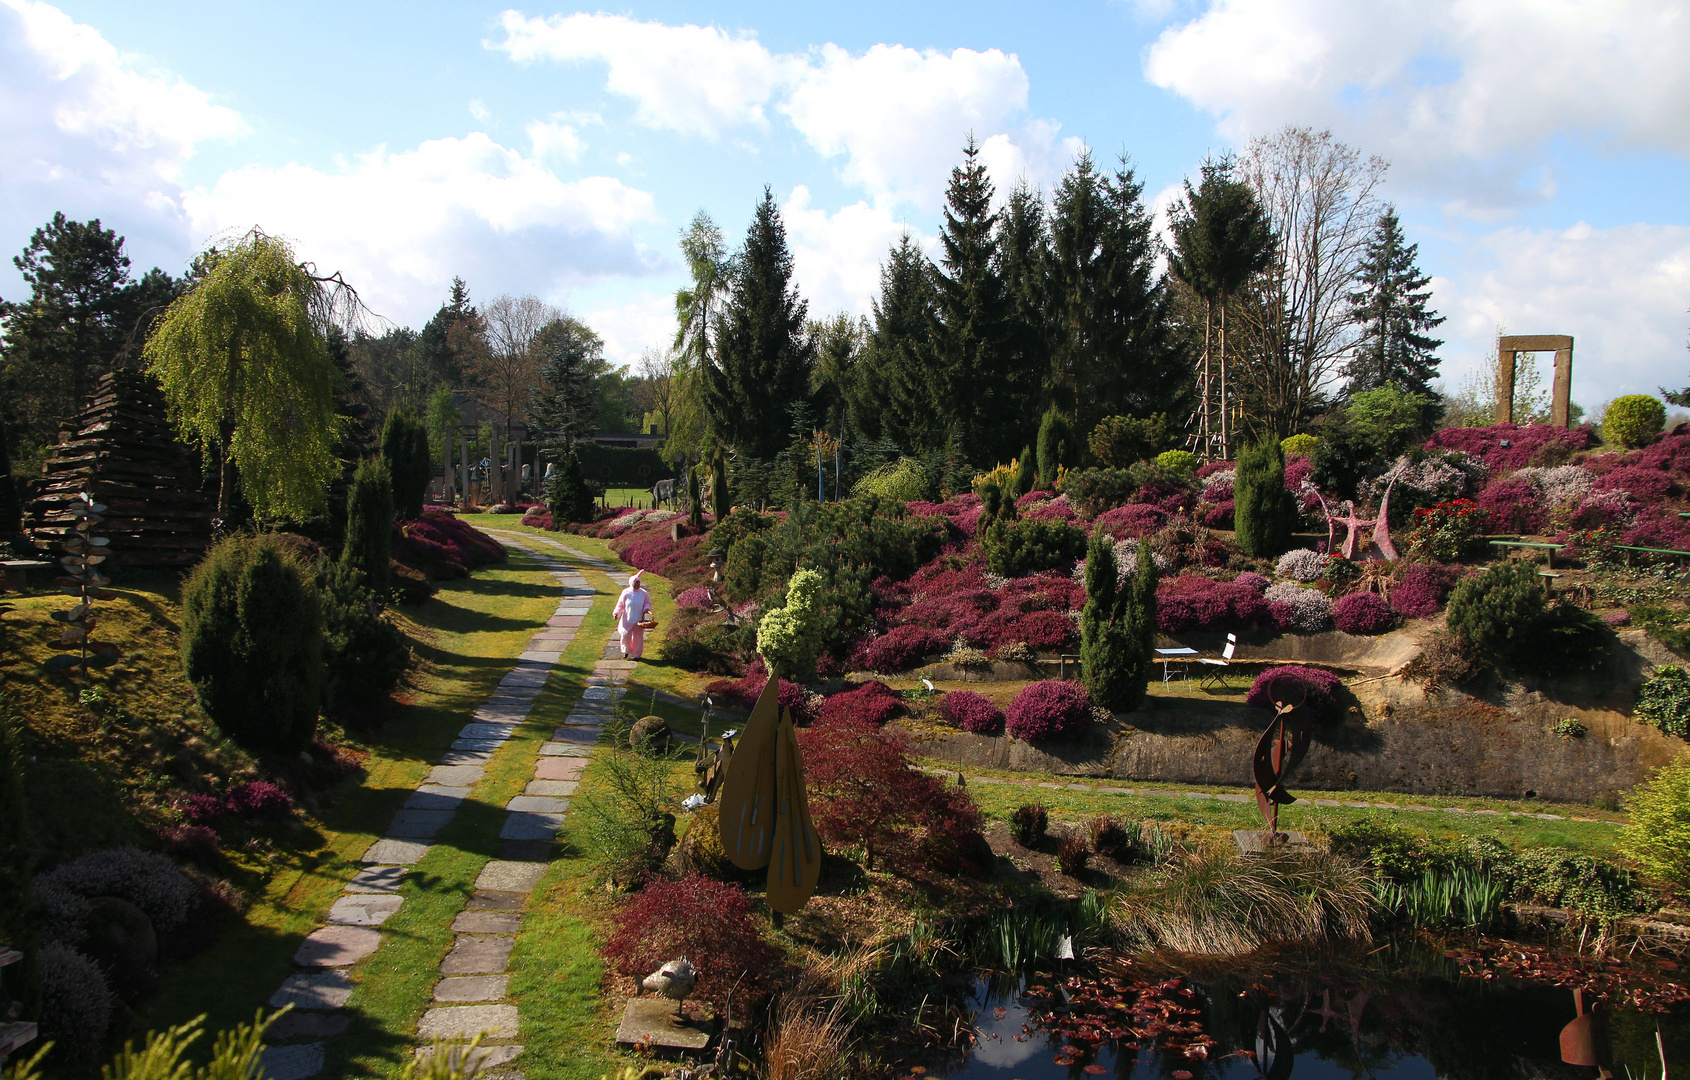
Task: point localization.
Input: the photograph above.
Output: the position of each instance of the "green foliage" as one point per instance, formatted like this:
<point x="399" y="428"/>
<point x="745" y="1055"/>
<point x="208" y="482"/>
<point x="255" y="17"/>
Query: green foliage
<point x="1115" y="636"/>
<point x="1492" y="614"/>
<point x="1026" y="472"/>
<point x="1092" y="491"/>
<point x="731" y="528"/>
<point x="368" y="545"/>
<point x="1026" y="546"/>
<point x="789" y="637"/>
<point x="721" y="499"/>
<point x="443" y="421"/>
<point x="364" y="654"/>
<point x="1373" y="428"/>
<point x="1662" y="623"/>
<point x="18" y="912"/>
<point x="742" y="577"/>
<point x="1178" y="462"/>
<point x="1119" y="441"/>
<point x="1664" y="700"/>
<point x="1633" y="420"/>
<point x="1301" y="443"/>
<point x="1057" y="449"/>
<point x="571" y="358"/>
<point x="627" y="820"/>
<point x="1447" y="531"/>
<point x="1392" y="306"/>
<point x="567" y="493"/>
<point x="246" y="370"/>
<point x="1466" y="898"/>
<point x="404" y="446"/>
<point x="1658" y="834"/>
<point x="1264" y="511"/>
<point x="903" y="481"/>
<point x="252" y="644"/>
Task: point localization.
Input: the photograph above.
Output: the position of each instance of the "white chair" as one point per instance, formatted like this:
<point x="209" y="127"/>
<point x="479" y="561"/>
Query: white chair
<point x="1215" y="668"/>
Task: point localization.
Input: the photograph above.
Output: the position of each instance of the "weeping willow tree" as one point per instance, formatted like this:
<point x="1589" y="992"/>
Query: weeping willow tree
<point x="244" y="362"/>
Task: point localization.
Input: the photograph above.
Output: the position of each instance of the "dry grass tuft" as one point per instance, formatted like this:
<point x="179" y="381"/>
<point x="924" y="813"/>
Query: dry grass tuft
<point x="806" y="1043"/>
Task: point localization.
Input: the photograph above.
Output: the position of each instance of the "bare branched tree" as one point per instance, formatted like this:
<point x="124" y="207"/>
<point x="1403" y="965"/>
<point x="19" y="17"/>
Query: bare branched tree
<point x="497" y="349"/>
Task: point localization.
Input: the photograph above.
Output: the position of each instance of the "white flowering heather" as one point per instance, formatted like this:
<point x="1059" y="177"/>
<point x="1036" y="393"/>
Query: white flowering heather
<point x="1611" y="502"/>
<point x="1434" y="479"/>
<point x="1217" y="487"/>
<point x="1300" y="564"/>
<point x="146" y="879"/>
<point x="1562" y="486"/>
<point x="1126" y="563"/>
<point x="1311" y="611"/>
<point x="994" y="581"/>
<point x="75" y="1002"/>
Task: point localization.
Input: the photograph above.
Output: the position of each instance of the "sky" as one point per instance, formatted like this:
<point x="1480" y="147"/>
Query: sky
<point x="1539" y="150"/>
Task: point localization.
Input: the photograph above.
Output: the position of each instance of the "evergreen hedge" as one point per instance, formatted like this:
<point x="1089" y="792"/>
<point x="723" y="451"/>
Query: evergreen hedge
<point x="252" y="644"/>
<point x="368" y="547"/>
<point x="1658" y="834"/>
<point x="1263" y="511"/>
<point x="1016" y="548"/>
<point x="404" y="446"/>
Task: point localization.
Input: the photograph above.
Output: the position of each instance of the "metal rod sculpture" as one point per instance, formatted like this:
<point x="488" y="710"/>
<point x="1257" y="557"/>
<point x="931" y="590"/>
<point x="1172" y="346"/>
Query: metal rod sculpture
<point x="764" y="812"/>
<point x="83" y="553"/>
<point x="1280" y="750"/>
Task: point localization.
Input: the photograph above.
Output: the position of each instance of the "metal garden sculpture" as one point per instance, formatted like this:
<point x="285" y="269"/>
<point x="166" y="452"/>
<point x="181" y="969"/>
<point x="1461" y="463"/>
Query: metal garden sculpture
<point x="1280" y="750"/>
<point x="764" y="810"/>
<point x="83" y="553"/>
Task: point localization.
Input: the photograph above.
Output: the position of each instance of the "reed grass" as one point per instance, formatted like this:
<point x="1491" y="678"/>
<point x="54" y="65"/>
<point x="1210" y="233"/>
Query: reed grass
<point x="806" y="1042"/>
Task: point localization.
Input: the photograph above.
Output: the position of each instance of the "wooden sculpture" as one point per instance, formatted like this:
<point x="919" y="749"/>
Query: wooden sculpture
<point x="764" y="811"/>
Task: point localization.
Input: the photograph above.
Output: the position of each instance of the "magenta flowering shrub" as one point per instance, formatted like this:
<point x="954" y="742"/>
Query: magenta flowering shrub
<point x="202" y="809"/>
<point x="259" y="799"/>
<point x="1189" y="602"/>
<point x="1611" y="508"/>
<point x="1485" y="443"/>
<point x="1033" y="498"/>
<point x="968" y="522"/>
<point x="1219" y="516"/>
<point x="1422" y="590"/>
<point x="872" y="702"/>
<point x="1057" y="509"/>
<point x="1134" y="519"/>
<point x="1323" y="687"/>
<point x="1252" y="579"/>
<point x="1219" y="489"/>
<point x="1051" y="709"/>
<point x="441" y="538"/>
<point x="1213" y="467"/>
<point x="1643" y="485"/>
<point x="1656" y="528"/>
<point x="1618" y="619"/>
<point x="972" y="712"/>
<point x="901" y="648"/>
<point x="1362" y="613"/>
<point x="539" y="516"/>
<point x="1292" y="607"/>
<point x="744" y="692"/>
<point x="696" y="597"/>
<point x="1513" y="506"/>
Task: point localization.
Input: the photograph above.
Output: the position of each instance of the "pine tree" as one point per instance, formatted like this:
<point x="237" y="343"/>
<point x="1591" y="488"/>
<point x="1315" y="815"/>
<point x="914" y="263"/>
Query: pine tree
<point x="1056" y="447"/>
<point x="1114" y="645"/>
<point x="762" y="362"/>
<point x="404" y="446"/>
<point x="891" y="396"/>
<point x="369" y="525"/>
<point x="1264" y="511"/>
<point x="566" y="492"/>
<point x="434" y="349"/>
<point x="571" y="359"/>
<point x="1026" y="472"/>
<point x="1023" y="254"/>
<point x="1392" y="309"/>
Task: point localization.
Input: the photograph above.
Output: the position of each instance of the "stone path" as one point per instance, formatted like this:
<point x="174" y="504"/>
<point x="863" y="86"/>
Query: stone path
<point x="470" y="994"/>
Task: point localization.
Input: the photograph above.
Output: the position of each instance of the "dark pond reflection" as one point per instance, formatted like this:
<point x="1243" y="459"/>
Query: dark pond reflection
<point x="1402" y="1012"/>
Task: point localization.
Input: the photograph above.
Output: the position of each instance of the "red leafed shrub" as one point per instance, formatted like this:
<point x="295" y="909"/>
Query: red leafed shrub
<point x="1513" y="506"/>
<point x="1126" y="522"/>
<point x="260" y="799"/>
<point x="201" y="809"/>
<point x="696" y="597"/>
<point x="874" y="702"/>
<point x="901" y="648"/>
<point x="190" y="841"/>
<point x="1322" y="685"/>
<point x="538" y="517"/>
<point x="1191" y="602"/>
<point x="951" y="613"/>
<point x="708" y="922"/>
<point x="865" y="791"/>
<point x="1486" y="443"/>
<point x="1422" y="589"/>
<point x="970" y="711"/>
<point x="1219" y="516"/>
<point x="444" y="545"/>
<point x="745" y="691"/>
<point x="1362" y="613"/>
<point x="1643" y="485"/>
<point x="1051" y="709"/>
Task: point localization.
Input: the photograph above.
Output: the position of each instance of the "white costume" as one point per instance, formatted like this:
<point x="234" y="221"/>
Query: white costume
<point x="633" y="607"/>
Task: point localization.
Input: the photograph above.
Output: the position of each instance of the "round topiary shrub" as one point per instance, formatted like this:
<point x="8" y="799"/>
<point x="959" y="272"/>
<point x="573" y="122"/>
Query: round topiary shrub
<point x="1177" y="461"/>
<point x="76" y="1003"/>
<point x="1362" y="613"/>
<point x="1051" y="709"/>
<point x="1301" y="443"/>
<point x="1633" y="420"/>
<point x="971" y="712"/>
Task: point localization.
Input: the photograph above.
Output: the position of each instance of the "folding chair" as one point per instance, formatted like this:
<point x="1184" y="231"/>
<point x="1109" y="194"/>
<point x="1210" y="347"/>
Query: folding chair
<point x="1214" y="668"/>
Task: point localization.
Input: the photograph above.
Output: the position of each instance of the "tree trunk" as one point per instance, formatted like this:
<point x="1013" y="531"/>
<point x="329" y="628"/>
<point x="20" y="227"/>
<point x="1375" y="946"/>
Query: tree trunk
<point x="1226" y="415"/>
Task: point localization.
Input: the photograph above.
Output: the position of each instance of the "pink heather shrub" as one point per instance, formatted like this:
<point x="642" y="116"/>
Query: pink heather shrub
<point x="1293" y="607"/>
<point x="902" y="647"/>
<point x="538" y="517"/>
<point x="1220" y="515"/>
<point x="1655" y="528"/>
<point x="1189" y="602"/>
<point x="1604" y="508"/>
<point x="1252" y="579"/>
<point x="696" y="597"/>
<point x="1362" y="613"/>
<point x="1618" y="619"/>
<point x="440" y="537"/>
<point x="1485" y="443"/>
<point x="872" y="702"/>
<point x="203" y="809"/>
<point x="1322" y="687"/>
<point x="260" y="799"/>
<point x="1051" y="709"/>
<point x="1643" y="485"/>
<point x="968" y="522"/>
<point x="1057" y="509"/>
<point x="1213" y="467"/>
<point x="1297" y="469"/>
<point x="1513" y="506"/>
<point x="971" y="712"/>
<point x="1219" y="489"/>
<point x="1032" y="498"/>
<point x="1132" y="520"/>
<point x="744" y="692"/>
<point x="1423" y="589"/>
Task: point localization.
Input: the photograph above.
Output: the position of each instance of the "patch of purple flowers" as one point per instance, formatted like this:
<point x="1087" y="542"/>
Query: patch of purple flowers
<point x="1486" y="443"/>
<point x="1362" y="613"/>
<point x="260" y="799"/>
<point x="1513" y="506"/>
<point x="1190" y="602"/>
<point x="972" y="712"/>
<point x="1322" y="686"/>
<point x="872" y="702"/>
<point x="1051" y="709"/>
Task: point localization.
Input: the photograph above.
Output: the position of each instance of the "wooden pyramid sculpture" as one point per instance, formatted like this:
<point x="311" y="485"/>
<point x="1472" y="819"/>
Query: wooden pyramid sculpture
<point x="765" y="811"/>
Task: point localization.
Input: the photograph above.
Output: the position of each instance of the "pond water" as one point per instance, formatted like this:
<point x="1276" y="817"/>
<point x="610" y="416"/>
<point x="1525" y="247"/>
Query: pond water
<point x="1311" y="1020"/>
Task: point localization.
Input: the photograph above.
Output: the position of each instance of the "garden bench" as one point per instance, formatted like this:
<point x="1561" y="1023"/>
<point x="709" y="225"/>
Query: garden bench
<point x="1549" y="550"/>
<point x="1648" y="551"/>
<point x="13" y="1035"/>
<point x="17" y="571"/>
<point x="1549" y="577"/>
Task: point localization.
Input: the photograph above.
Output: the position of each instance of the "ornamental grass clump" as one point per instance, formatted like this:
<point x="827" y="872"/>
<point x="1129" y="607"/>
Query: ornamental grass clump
<point x="1052" y="709"/>
<point x="1073" y="853"/>
<point x="971" y="712"/>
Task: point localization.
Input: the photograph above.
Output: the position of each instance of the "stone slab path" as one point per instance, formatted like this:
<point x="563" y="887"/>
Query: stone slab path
<point x="470" y="995"/>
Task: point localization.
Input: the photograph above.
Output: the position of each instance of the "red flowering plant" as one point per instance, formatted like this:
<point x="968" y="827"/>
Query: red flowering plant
<point x="708" y="922"/>
<point x="1447" y="531"/>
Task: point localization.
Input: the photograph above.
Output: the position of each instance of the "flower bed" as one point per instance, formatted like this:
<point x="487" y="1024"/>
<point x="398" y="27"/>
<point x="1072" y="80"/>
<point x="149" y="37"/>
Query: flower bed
<point x="1523" y="443"/>
<point x="1052" y="709"/>
<point x="1362" y="613"/>
<point x="971" y="712"/>
<point x="872" y="702"/>
<point x="1189" y="602"/>
<point x="1323" y="686"/>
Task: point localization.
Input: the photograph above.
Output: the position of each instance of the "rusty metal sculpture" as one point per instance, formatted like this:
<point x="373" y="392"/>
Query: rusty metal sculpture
<point x="1280" y="750"/>
<point x="764" y="811"/>
<point x="1380" y="546"/>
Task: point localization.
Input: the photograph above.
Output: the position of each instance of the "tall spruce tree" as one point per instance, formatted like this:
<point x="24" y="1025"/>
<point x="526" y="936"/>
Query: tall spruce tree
<point x="890" y="398"/>
<point x="1023" y="252"/>
<point x="762" y="362"/>
<point x="433" y="346"/>
<point x="368" y="544"/>
<point x="565" y="407"/>
<point x="1114" y="645"/>
<point x="1392" y="307"/>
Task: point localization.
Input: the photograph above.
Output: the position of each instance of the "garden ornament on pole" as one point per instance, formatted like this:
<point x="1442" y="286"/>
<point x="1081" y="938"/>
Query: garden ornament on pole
<point x="1280" y="750"/>
<point x="83" y="554"/>
<point x="764" y="810"/>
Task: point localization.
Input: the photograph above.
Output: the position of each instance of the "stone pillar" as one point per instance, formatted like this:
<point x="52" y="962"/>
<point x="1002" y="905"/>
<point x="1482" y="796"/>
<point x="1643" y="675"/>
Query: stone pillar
<point x="1504" y="385"/>
<point x="495" y="469"/>
<point x="1508" y="348"/>
<point x="463" y="448"/>
<point x="1561" y="404"/>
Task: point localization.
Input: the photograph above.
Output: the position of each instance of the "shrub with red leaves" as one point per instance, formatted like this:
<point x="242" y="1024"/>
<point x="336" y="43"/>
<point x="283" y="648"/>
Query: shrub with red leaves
<point x="1219" y="516"/>
<point x="1052" y="709"/>
<point x="201" y="809"/>
<point x="873" y="701"/>
<point x="1486" y="443"/>
<point x="745" y="691"/>
<point x="1192" y="602"/>
<point x="971" y="712"/>
<point x="1513" y="506"/>
<point x="1362" y="613"/>
<point x="260" y="799"/>
<point x="539" y="517"/>
<point x="1656" y="528"/>
<point x="1323" y="687"/>
<point x="443" y="545"/>
<point x="708" y="922"/>
<point x="1132" y="520"/>
<point x="1642" y="484"/>
<point x="902" y="647"/>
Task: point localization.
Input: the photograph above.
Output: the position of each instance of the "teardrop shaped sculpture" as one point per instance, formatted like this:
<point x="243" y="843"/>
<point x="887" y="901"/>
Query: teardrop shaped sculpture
<point x="795" y="862"/>
<point x="746" y="811"/>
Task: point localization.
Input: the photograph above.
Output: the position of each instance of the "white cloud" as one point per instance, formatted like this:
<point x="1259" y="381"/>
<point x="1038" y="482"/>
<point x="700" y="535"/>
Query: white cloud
<point x="1621" y="292"/>
<point x="555" y="139"/>
<point x="1441" y="85"/>
<point x="836" y="257"/>
<point x="400" y="225"/>
<point x="479" y="111"/>
<point x="629" y="328"/>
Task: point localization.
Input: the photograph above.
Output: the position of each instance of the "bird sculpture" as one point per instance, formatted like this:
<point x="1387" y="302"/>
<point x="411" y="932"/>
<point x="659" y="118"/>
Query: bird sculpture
<point x="674" y="980"/>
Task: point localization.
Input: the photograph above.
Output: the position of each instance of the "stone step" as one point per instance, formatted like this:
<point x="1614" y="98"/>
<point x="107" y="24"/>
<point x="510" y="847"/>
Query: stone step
<point x="556" y="789"/>
<point x="394" y="852"/>
<point x="292" y="1062"/>
<point x="539" y="804"/>
<point x="487" y="922"/>
<point x="436" y="797"/>
<point x="461" y="988"/>
<point x="467" y="1021"/>
<point x="502" y="876"/>
<point x="526" y="826"/>
<point x="376" y="879"/>
<point x="419" y="824"/>
<point x="473" y="955"/>
<point x="314" y="990"/>
<point x="360" y="910"/>
<point x="336" y="946"/>
<point x="560" y="768"/>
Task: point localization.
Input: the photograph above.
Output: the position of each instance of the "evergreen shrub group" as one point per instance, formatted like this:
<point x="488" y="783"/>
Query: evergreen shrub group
<point x="368" y="547"/>
<point x="1301" y="443"/>
<point x="1056" y="447"/>
<point x="364" y="654"/>
<point x="1118" y="627"/>
<point x="566" y="492"/>
<point x="404" y="447"/>
<point x="1633" y="420"/>
<point x="1093" y="491"/>
<point x="971" y="712"/>
<point x="1027" y="546"/>
<point x="1119" y="441"/>
<point x="1051" y="709"/>
<point x="1263" y="510"/>
<point x="790" y="636"/>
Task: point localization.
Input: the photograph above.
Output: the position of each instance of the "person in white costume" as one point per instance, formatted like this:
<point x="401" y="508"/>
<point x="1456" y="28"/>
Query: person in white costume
<point x="633" y="607"/>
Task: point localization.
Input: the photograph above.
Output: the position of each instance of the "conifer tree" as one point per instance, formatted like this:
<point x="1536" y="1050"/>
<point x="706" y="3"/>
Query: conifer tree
<point x="1056" y="447"/>
<point x="566" y="492"/>
<point x="1026" y="472"/>
<point x="1264" y="511"/>
<point x="1023" y="253"/>
<point x="369" y="525"/>
<point x="890" y="398"/>
<point x="434" y="350"/>
<point x="1114" y="645"/>
<point x="762" y="362"/>
<point x="571" y="358"/>
<point x="404" y="447"/>
<point x="1392" y="307"/>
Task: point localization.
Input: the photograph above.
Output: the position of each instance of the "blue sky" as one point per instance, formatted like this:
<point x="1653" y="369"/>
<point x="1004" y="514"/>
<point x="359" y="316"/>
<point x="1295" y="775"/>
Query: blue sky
<point x="1538" y="150"/>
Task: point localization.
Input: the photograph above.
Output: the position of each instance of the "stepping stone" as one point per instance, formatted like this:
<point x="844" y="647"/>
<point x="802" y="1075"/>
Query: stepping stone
<point x="306" y="1025"/>
<point x="515" y="696"/>
<point x="1549" y="817"/>
<point x="597" y="693"/>
<point x="487" y="922"/>
<point x="1052" y="786"/>
<point x="1460" y="810"/>
<point x="376" y="879"/>
<point x="465" y="757"/>
<point x="1325" y="802"/>
<point x="503" y="876"/>
<point x="465" y="776"/>
<point x="1386" y="806"/>
<point x="419" y="824"/>
<point x="1232" y="798"/>
<point x="291" y="1062"/>
<point x="555" y="789"/>
<point x="995" y="780"/>
<point x="553" y="634"/>
<point x="541" y="657"/>
<point x="504" y="715"/>
<point x="489" y="900"/>
<point x="435" y="797"/>
<point x="523" y="826"/>
<point x="529" y="851"/>
<point x="1359" y="805"/>
<point x="313" y="990"/>
<point x="525" y="678"/>
<point x="336" y="946"/>
<point x="363" y="910"/>
<point x="1426" y="809"/>
<point x="1103" y="790"/>
<point x="477" y="956"/>
<point x="1489" y="813"/>
<point x="581" y="736"/>
<point x="569" y="768"/>
<point x="394" y="852"/>
<point x="484" y="1058"/>
<point x="466" y="1021"/>
<point x="472" y="988"/>
<point x="620" y="665"/>
<point x="1206" y="795"/>
<point x="565" y="622"/>
<point x="485" y="730"/>
<point x="557" y="749"/>
<point x="539" y="804"/>
<point x="478" y="746"/>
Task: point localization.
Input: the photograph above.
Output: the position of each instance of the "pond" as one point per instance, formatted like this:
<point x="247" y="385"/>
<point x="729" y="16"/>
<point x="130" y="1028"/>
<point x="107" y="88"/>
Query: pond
<point x="1403" y="1013"/>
